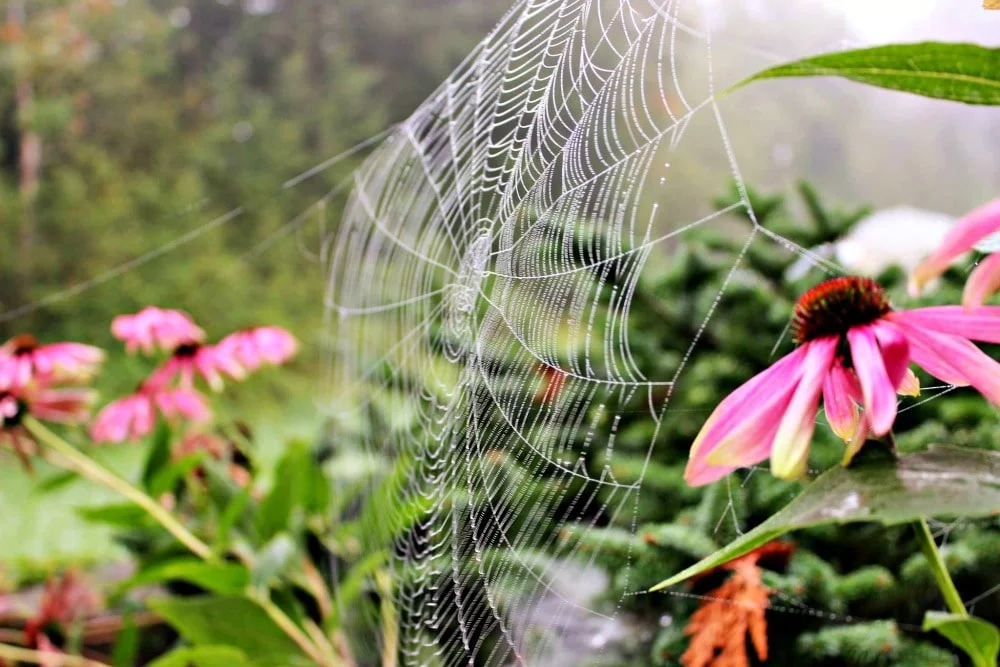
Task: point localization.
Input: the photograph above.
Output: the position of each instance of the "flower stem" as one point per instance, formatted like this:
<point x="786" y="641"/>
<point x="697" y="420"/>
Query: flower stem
<point x="93" y="471"/>
<point x="19" y="654"/>
<point x="938" y="569"/>
<point x="73" y="458"/>
<point x="289" y="627"/>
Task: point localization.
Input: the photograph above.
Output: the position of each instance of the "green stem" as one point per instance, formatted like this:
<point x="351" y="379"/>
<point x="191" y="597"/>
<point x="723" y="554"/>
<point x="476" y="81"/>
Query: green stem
<point x="73" y="458"/>
<point x="19" y="654"/>
<point x="93" y="471"/>
<point x="938" y="569"/>
<point x="289" y="627"/>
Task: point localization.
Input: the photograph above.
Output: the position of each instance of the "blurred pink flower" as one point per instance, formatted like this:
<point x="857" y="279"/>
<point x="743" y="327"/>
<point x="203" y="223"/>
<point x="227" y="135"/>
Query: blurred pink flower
<point x="65" y="405"/>
<point x="24" y="361"/>
<point x="210" y="362"/>
<point x="967" y="232"/>
<point x="64" y="602"/>
<point x="128" y="418"/>
<point x="854" y="350"/>
<point x="260" y="345"/>
<point x="134" y="416"/>
<point x="154" y="327"/>
<point x="181" y="402"/>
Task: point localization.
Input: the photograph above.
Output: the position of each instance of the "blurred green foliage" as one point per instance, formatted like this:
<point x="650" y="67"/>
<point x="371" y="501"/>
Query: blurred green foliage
<point x="154" y="120"/>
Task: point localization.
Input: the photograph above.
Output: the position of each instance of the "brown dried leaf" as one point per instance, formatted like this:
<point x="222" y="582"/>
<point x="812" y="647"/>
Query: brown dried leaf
<point x="731" y="613"/>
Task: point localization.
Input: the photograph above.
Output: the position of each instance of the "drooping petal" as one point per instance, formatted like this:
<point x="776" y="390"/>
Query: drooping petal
<point x="856" y="442"/>
<point x="968" y="231"/>
<point x="878" y="390"/>
<point x="790" y="451"/>
<point x="895" y="352"/>
<point x="983" y="281"/>
<point x="841" y="410"/>
<point x="732" y="410"/>
<point x="748" y="445"/>
<point x="980" y="324"/>
<point x="751" y="441"/>
<point x="910" y="385"/>
<point x="924" y="355"/>
<point x="736" y="409"/>
<point x="958" y="358"/>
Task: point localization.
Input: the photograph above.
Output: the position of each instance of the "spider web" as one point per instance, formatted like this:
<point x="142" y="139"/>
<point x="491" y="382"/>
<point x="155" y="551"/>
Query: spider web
<point x="481" y="280"/>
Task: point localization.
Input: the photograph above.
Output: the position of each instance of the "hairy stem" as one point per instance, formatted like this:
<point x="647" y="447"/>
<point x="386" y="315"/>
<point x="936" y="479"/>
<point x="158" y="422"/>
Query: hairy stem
<point x="27" y="655"/>
<point x="938" y="569"/>
<point x="95" y="472"/>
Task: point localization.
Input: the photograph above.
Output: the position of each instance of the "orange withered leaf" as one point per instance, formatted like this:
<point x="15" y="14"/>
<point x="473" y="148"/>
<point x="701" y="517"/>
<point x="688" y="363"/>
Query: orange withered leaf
<point x="732" y="613"/>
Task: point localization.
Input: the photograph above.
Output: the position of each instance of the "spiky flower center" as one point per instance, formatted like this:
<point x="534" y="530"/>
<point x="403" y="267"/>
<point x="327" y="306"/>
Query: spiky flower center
<point x="22" y="344"/>
<point x="834" y="306"/>
<point x="187" y="350"/>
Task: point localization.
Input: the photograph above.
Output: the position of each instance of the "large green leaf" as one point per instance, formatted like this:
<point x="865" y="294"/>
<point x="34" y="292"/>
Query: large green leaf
<point x="223" y="578"/>
<point x="299" y="486"/>
<point x="961" y="72"/>
<point x="978" y="638"/>
<point x="231" y="621"/>
<point x="203" y="656"/>
<point x="943" y="481"/>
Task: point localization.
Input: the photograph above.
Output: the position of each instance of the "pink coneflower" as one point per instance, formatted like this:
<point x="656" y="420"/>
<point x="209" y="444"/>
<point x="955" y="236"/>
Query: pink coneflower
<point x="66" y="405"/>
<point x="260" y="345"/>
<point x="24" y="361"/>
<point x="134" y="416"/>
<point x="967" y="232"/>
<point x="209" y="362"/>
<point x="854" y="349"/>
<point x="65" y="601"/>
<point x="154" y="327"/>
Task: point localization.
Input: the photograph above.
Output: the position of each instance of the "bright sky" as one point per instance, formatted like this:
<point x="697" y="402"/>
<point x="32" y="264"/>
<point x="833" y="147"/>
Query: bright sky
<point x="911" y="20"/>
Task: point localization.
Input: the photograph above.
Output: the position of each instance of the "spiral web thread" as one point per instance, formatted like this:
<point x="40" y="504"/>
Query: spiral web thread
<point x="481" y="279"/>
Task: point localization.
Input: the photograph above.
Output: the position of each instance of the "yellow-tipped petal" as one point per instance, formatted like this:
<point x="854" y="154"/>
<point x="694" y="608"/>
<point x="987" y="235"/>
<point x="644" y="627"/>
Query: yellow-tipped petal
<point x="910" y="386"/>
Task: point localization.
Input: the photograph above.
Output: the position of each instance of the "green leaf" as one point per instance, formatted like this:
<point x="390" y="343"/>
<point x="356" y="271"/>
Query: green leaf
<point x="166" y="478"/>
<point x="203" y="656"/>
<point x="233" y="512"/>
<point x="978" y="638"/>
<point x="122" y="515"/>
<point x="222" y="578"/>
<point x="126" y="647"/>
<point x="960" y="72"/>
<point x="234" y="621"/>
<point x="159" y="453"/>
<point x="273" y="560"/>
<point x="353" y="586"/>
<point x="943" y="482"/>
<point x="295" y="487"/>
<point x="55" y="482"/>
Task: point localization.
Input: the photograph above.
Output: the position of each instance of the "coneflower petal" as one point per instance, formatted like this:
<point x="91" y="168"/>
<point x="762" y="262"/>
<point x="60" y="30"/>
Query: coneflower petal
<point x="790" y="451"/>
<point x="857" y="441"/>
<point x="910" y="386"/>
<point x="841" y="411"/>
<point x="981" y="324"/>
<point x="959" y="358"/>
<point x="877" y="388"/>
<point x="895" y="350"/>
<point x="739" y="408"/>
<point x="968" y="231"/>
<point x="983" y="281"/>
